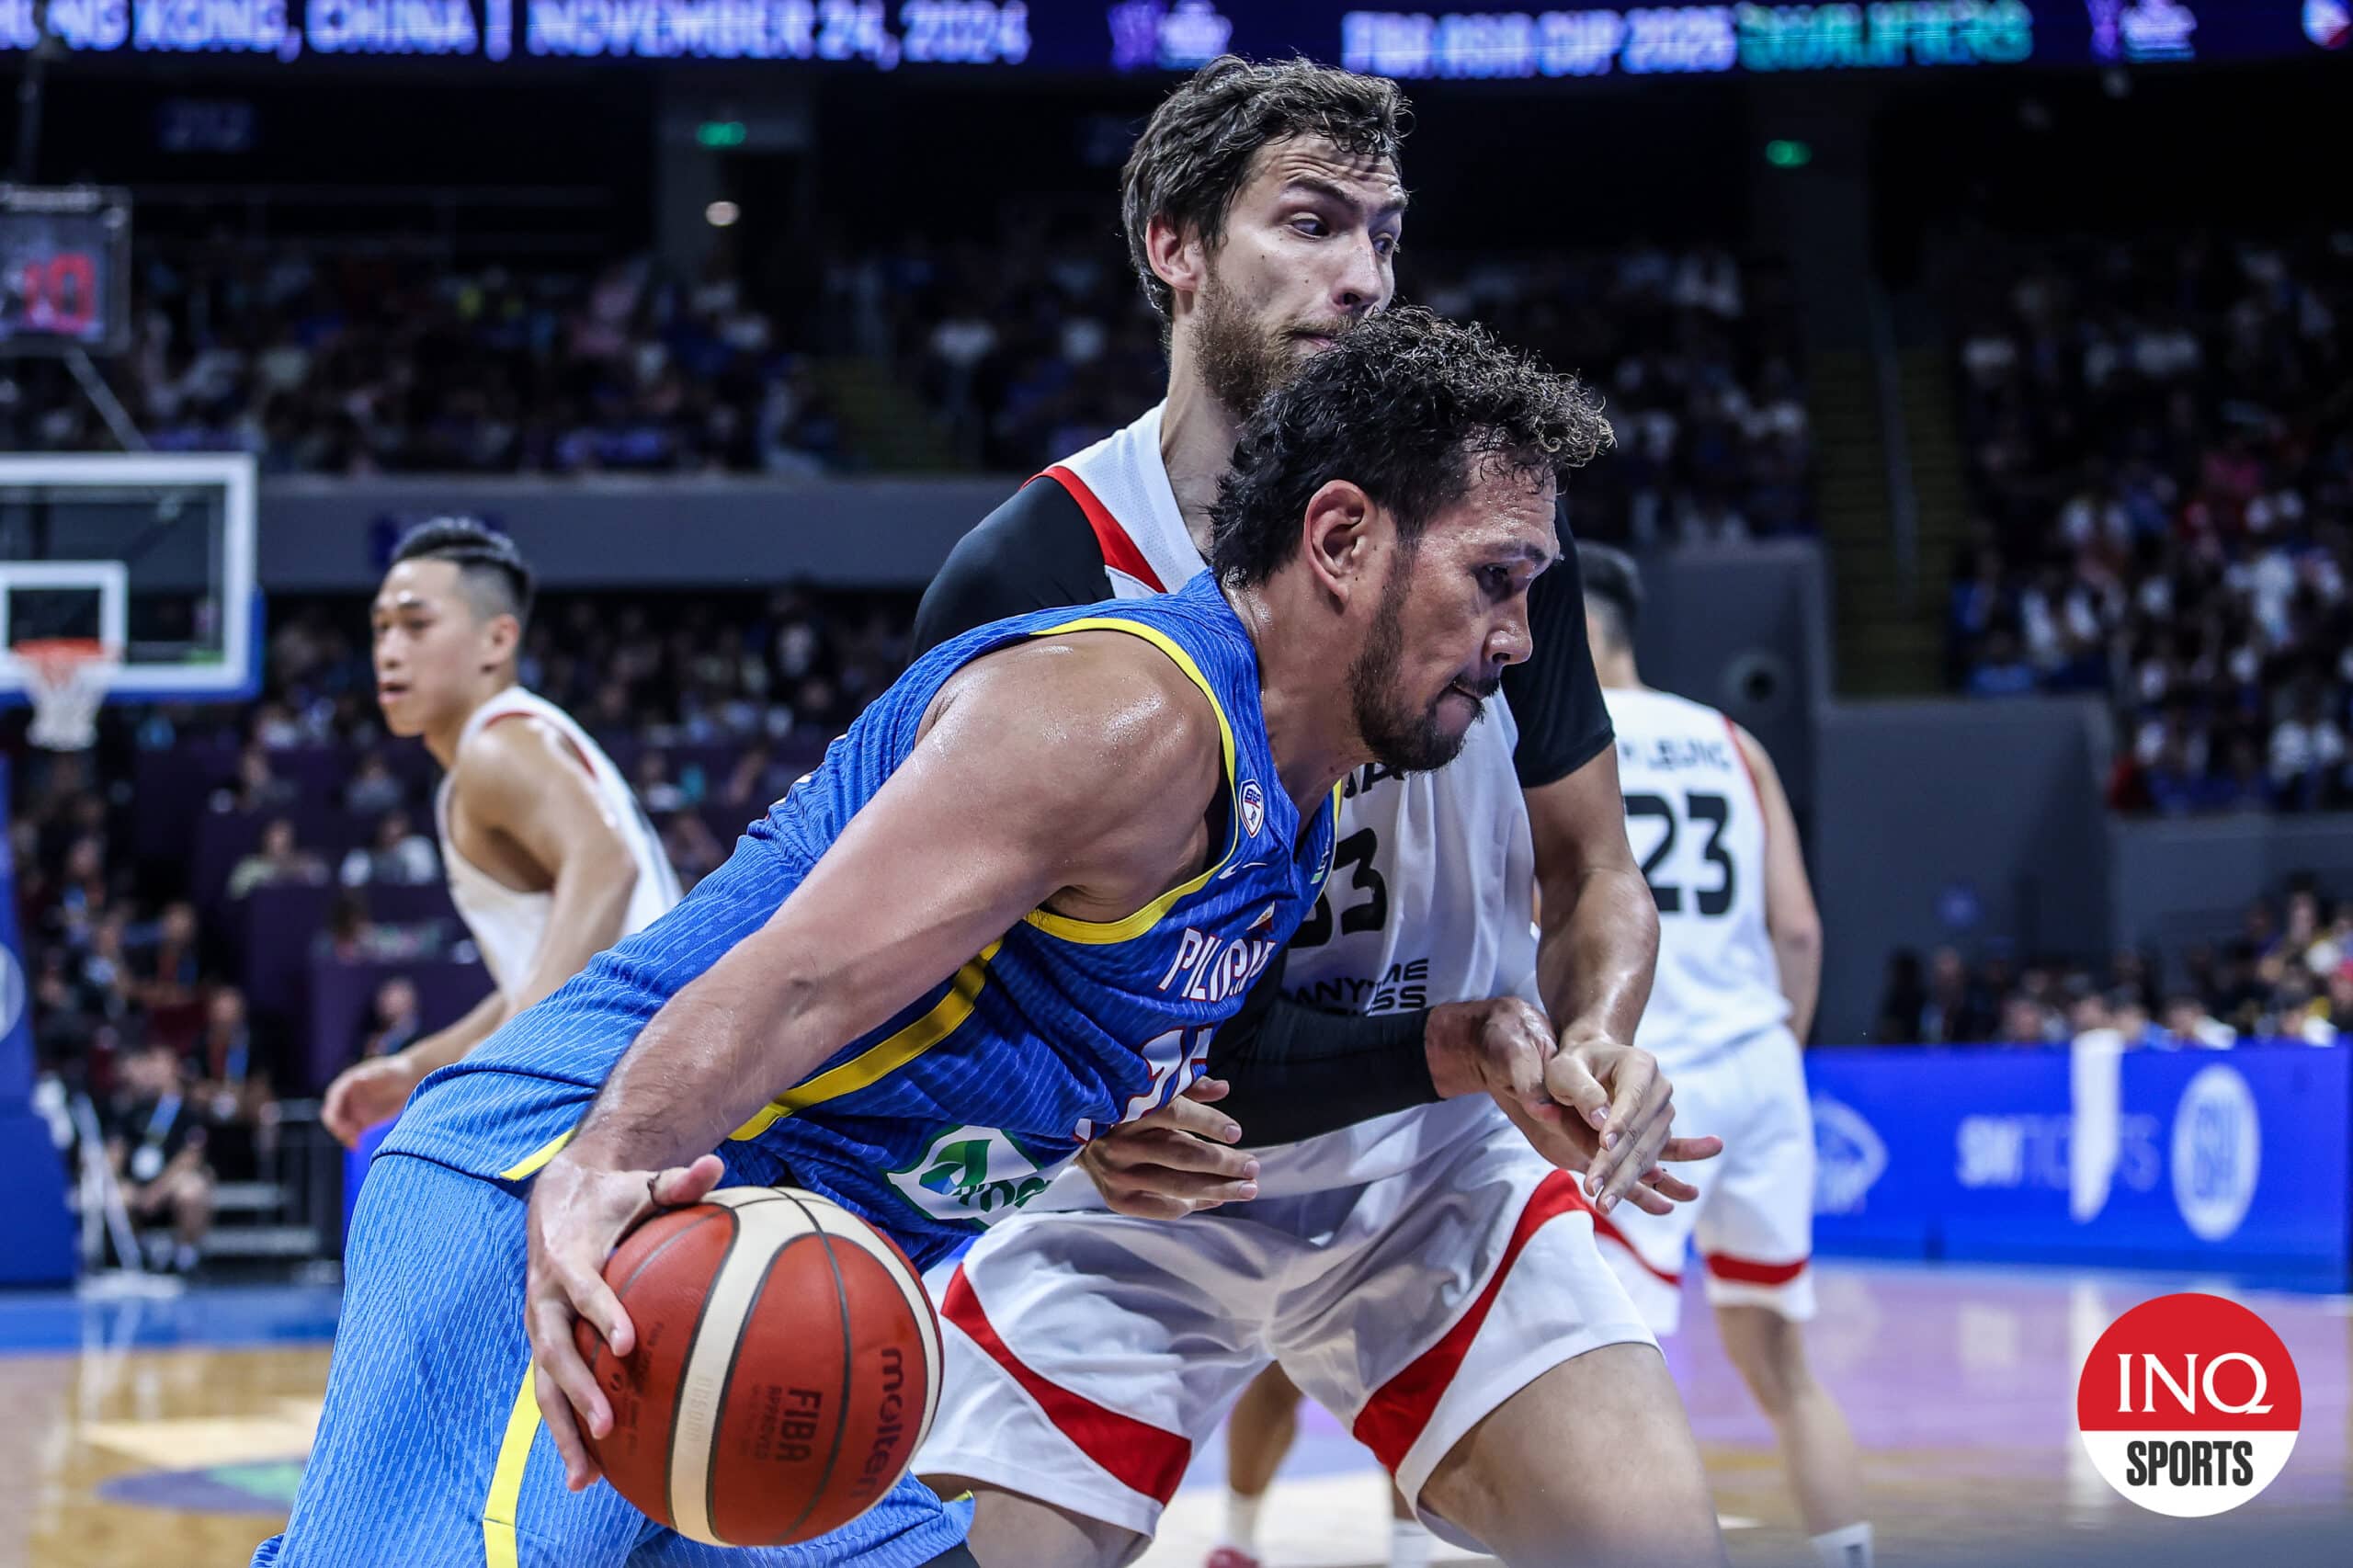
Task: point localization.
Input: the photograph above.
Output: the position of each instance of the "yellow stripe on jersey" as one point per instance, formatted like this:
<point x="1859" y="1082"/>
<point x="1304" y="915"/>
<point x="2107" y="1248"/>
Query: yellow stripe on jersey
<point x="884" y="1057"/>
<point x="529" y="1163"/>
<point x="1097" y="932"/>
<point x="506" y="1477"/>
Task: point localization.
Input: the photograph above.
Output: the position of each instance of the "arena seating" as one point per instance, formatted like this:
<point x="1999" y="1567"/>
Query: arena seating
<point x="2159" y="454"/>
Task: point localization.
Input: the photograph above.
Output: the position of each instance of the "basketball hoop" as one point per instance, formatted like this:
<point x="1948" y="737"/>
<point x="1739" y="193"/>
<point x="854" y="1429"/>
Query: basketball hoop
<point x="68" y="677"/>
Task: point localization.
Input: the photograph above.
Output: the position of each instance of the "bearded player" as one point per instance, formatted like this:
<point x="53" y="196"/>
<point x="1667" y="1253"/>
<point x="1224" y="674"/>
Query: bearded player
<point x="1739" y="967"/>
<point x="1428" y="1275"/>
<point x="1009" y="906"/>
<point x="549" y="857"/>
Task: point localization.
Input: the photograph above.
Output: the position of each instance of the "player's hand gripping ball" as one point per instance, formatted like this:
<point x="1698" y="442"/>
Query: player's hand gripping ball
<point x="787" y="1365"/>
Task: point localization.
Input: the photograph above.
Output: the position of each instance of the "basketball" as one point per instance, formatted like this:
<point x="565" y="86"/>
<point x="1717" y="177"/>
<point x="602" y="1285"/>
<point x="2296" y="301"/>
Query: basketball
<point x="787" y="1366"/>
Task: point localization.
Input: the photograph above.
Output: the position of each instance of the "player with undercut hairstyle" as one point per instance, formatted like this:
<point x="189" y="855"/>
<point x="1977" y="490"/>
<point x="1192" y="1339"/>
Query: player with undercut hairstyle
<point x="549" y="859"/>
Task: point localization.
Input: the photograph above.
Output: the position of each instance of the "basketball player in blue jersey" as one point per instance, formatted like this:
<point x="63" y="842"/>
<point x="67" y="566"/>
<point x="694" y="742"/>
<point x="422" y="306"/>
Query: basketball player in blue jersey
<point x="1008" y="910"/>
<point x="1427" y="1275"/>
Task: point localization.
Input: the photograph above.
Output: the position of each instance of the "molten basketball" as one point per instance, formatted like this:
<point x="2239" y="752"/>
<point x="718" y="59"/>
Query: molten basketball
<point x="787" y="1365"/>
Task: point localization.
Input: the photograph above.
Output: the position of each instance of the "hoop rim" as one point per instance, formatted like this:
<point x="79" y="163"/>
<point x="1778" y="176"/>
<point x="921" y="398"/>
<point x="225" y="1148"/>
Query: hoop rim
<point x="63" y="647"/>
<point x="60" y="658"/>
<point x="67" y="678"/>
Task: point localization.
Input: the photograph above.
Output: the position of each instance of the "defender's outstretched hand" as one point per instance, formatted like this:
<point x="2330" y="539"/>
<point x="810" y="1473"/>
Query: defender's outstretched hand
<point x="578" y="1216"/>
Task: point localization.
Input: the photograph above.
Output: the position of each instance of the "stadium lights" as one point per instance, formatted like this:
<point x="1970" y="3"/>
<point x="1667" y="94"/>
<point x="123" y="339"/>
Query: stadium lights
<point x="722" y="214"/>
<point x="721" y="134"/>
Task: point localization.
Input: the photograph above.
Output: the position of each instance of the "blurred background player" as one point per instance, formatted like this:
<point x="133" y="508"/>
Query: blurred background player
<point x="1263" y="207"/>
<point x="1739" y="969"/>
<point x="549" y="857"/>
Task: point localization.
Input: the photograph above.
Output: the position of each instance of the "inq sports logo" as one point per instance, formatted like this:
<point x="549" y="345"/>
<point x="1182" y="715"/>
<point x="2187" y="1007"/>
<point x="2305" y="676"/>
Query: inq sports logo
<point x="2188" y="1405"/>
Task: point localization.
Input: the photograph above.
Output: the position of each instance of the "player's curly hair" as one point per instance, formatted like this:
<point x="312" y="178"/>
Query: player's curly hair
<point x="1409" y="406"/>
<point x="1196" y="151"/>
<point x="494" y="572"/>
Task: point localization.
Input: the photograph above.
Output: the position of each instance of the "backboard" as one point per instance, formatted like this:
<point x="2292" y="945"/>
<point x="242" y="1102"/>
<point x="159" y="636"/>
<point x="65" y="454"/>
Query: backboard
<point x="151" y="554"/>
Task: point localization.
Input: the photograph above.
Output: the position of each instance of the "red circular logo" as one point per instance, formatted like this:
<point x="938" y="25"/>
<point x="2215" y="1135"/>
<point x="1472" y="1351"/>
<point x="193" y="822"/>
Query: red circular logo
<point x="2189" y="1404"/>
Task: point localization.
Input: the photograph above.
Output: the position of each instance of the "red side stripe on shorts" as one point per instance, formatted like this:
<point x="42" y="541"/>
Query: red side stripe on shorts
<point x="1118" y="550"/>
<point x="1747" y="1271"/>
<point x="1607" y="1232"/>
<point x="578" y="755"/>
<point x="1392" y="1419"/>
<point x="1140" y="1457"/>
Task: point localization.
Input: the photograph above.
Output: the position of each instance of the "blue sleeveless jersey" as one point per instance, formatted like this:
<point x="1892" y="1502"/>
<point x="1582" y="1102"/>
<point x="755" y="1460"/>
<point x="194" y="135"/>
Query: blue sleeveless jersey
<point x="964" y="1105"/>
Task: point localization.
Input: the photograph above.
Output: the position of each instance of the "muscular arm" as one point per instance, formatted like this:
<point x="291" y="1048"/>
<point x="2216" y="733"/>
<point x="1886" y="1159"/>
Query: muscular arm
<point x="1031" y="765"/>
<point x="1790" y="917"/>
<point x="1599" y="923"/>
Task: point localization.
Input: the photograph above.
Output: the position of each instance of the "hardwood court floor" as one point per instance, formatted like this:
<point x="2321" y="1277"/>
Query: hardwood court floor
<point x="170" y="1433"/>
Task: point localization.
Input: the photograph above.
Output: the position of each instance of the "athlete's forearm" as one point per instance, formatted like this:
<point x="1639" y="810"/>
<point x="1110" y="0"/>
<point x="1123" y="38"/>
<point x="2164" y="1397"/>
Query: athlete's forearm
<point x="1298" y="1071"/>
<point x="442" y="1047"/>
<point x="710" y="1059"/>
<point x="1799" y="955"/>
<point x="1598" y="951"/>
<point x="585" y="915"/>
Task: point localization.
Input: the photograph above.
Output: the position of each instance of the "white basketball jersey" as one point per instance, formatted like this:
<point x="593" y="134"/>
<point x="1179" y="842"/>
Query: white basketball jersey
<point x="1433" y="878"/>
<point x="1698" y="827"/>
<point x="509" y="926"/>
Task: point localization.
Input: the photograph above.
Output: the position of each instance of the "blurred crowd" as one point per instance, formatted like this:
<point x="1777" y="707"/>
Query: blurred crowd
<point x="2160" y="448"/>
<point x="379" y="360"/>
<point x="133" y="1015"/>
<point x="148" y="950"/>
<point x="1020" y="349"/>
<point x="1031" y="349"/>
<point x="2287" y="973"/>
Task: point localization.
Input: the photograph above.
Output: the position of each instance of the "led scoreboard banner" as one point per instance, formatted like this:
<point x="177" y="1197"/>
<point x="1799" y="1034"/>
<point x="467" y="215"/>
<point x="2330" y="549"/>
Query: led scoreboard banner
<point x="1564" y="41"/>
<point x="64" y="269"/>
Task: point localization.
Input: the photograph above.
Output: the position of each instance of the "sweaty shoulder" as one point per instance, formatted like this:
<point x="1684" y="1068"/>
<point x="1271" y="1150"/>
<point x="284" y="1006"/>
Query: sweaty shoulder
<point x="1034" y="551"/>
<point x="1101" y="724"/>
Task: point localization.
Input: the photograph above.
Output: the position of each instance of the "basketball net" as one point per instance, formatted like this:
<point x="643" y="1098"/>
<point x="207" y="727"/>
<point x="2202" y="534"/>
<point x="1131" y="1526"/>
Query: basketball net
<point x="68" y="677"/>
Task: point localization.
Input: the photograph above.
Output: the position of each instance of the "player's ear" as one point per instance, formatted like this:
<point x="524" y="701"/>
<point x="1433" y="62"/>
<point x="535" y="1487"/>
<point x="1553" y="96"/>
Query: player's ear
<point x="1338" y="536"/>
<point x="1178" y="256"/>
<point x="500" y="638"/>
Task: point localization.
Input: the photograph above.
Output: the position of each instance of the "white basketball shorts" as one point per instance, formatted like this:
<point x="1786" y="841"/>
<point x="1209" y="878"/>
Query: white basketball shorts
<point x="1088" y="1353"/>
<point x="1753" y="1218"/>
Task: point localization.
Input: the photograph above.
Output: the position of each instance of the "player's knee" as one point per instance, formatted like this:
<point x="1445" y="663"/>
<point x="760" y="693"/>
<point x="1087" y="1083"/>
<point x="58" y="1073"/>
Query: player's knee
<point x="1460" y="1486"/>
<point x="1769" y="1351"/>
<point x="1010" y="1530"/>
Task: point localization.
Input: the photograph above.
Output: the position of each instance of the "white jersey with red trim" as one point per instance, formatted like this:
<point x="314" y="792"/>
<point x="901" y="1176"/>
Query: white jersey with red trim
<point x="509" y="925"/>
<point x="1698" y="827"/>
<point x="1433" y="876"/>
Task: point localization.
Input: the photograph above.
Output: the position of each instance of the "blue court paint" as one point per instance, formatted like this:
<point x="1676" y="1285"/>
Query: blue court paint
<point x="266" y="1488"/>
<point x="228" y="1318"/>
